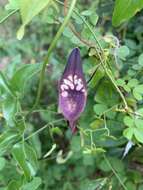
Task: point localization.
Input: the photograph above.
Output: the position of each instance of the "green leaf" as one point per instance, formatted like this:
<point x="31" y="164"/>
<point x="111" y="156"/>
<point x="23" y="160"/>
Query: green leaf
<point x="4" y="85"/>
<point x="128" y="133"/>
<point x="129" y="121"/>
<point x="33" y="185"/>
<point x="86" y="13"/>
<point x="101" y="97"/>
<point x="125" y="9"/>
<point x="93" y="184"/>
<point x="100" y="108"/>
<point x="120" y="82"/>
<point x="75" y="144"/>
<point x="138" y="133"/>
<point x="7" y="139"/>
<point x="9" y="109"/>
<point x="122" y="52"/>
<point x="140" y="60"/>
<point x="137" y="95"/>
<point x="31" y="156"/>
<point x="94" y="18"/>
<point x="12" y="5"/>
<point x="13" y="185"/>
<point x="22" y="75"/>
<point x="19" y="154"/>
<point x="103" y="166"/>
<point x="132" y="83"/>
<point x="97" y="77"/>
<point x="138" y="91"/>
<point x="97" y="123"/>
<point x="139" y="123"/>
<point x="28" y="10"/>
<point x="20" y="32"/>
<point x="2" y="163"/>
<point x="130" y="185"/>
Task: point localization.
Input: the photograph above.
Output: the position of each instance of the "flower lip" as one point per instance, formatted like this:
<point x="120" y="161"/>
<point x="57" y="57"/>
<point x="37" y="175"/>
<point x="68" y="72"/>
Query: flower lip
<point x="72" y="89"/>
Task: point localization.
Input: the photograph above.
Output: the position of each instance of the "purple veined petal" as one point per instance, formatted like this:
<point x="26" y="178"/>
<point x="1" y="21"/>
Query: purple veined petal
<point x="72" y="89"/>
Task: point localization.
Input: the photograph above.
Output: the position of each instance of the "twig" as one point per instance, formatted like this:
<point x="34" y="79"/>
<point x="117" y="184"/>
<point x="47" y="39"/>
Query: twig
<point x="104" y="62"/>
<point x="41" y="129"/>
<point x="115" y="173"/>
<point x="131" y="112"/>
<point x="7" y="16"/>
<point x="93" y="73"/>
<point x="71" y="26"/>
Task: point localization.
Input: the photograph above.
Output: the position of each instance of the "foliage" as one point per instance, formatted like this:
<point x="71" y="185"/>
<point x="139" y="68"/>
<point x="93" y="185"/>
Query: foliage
<point x="37" y="150"/>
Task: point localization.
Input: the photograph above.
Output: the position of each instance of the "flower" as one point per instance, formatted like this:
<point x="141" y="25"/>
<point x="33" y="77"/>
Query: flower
<point x="72" y="89"/>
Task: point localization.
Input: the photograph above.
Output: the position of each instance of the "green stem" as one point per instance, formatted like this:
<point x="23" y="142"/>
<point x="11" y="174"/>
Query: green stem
<point x="103" y="62"/>
<point x="52" y="46"/>
<point x="115" y="173"/>
<point x="42" y="128"/>
<point x="7" y="16"/>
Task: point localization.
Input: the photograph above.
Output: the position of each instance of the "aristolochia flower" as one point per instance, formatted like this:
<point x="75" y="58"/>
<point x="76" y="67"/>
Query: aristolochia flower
<point x="72" y="89"/>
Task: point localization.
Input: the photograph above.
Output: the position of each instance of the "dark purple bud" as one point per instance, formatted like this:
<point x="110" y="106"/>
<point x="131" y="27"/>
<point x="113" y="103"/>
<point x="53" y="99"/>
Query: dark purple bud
<point x="72" y="89"/>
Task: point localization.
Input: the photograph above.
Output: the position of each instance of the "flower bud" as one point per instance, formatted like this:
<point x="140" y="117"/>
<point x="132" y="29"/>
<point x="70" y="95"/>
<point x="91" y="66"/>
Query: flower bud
<point x="72" y="89"/>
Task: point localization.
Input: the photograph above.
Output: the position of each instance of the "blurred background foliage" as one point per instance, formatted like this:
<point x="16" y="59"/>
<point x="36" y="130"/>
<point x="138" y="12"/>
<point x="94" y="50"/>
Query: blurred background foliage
<point x="37" y="150"/>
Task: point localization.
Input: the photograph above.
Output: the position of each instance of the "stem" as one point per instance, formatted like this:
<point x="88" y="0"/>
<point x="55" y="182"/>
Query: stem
<point x="115" y="173"/>
<point x="97" y="67"/>
<point x="104" y="62"/>
<point x="41" y="129"/>
<point x="7" y="16"/>
<point x="52" y="46"/>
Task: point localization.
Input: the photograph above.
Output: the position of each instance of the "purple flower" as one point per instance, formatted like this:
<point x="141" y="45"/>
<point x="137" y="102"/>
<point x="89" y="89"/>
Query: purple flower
<point x="72" y="89"/>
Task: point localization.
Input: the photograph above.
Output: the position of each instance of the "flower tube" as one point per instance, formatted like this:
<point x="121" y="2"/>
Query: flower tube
<point x="72" y="89"/>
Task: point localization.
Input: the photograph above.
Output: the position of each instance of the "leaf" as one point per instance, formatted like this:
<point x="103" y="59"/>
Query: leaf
<point x="129" y="121"/>
<point x="20" y="156"/>
<point x="29" y="9"/>
<point x="9" y="109"/>
<point x="137" y="95"/>
<point x="97" y="77"/>
<point x="122" y="52"/>
<point x="100" y="108"/>
<point x="140" y="59"/>
<point x="13" y="185"/>
<point x="20" y="32"/>
<point x="7" y="139"/>
<point x="86" y="13"/>
<point x="22" y="75"/>
<point x="33" y="185"/>
<point x="93" y="184"/>
<point x="133" y="83"/>
<point x="138" y="132"/>
<point x="128" y="133"/>
<point x="12" y="5"/>
<point x="4" y="84"/>
<point x="75" y="144"/>
<point x="138" y="91"/>
<point x="31" y="156"/>
<point x="125" y="9"/>
<point x="2" y="163"/>
<point x="101" y="95"/>
<point x="139" y="123"/>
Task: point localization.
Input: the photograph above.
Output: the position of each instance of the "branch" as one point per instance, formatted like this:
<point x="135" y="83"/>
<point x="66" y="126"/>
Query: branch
<point x="7" y="16"/>
<point x="115" y="173"/>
